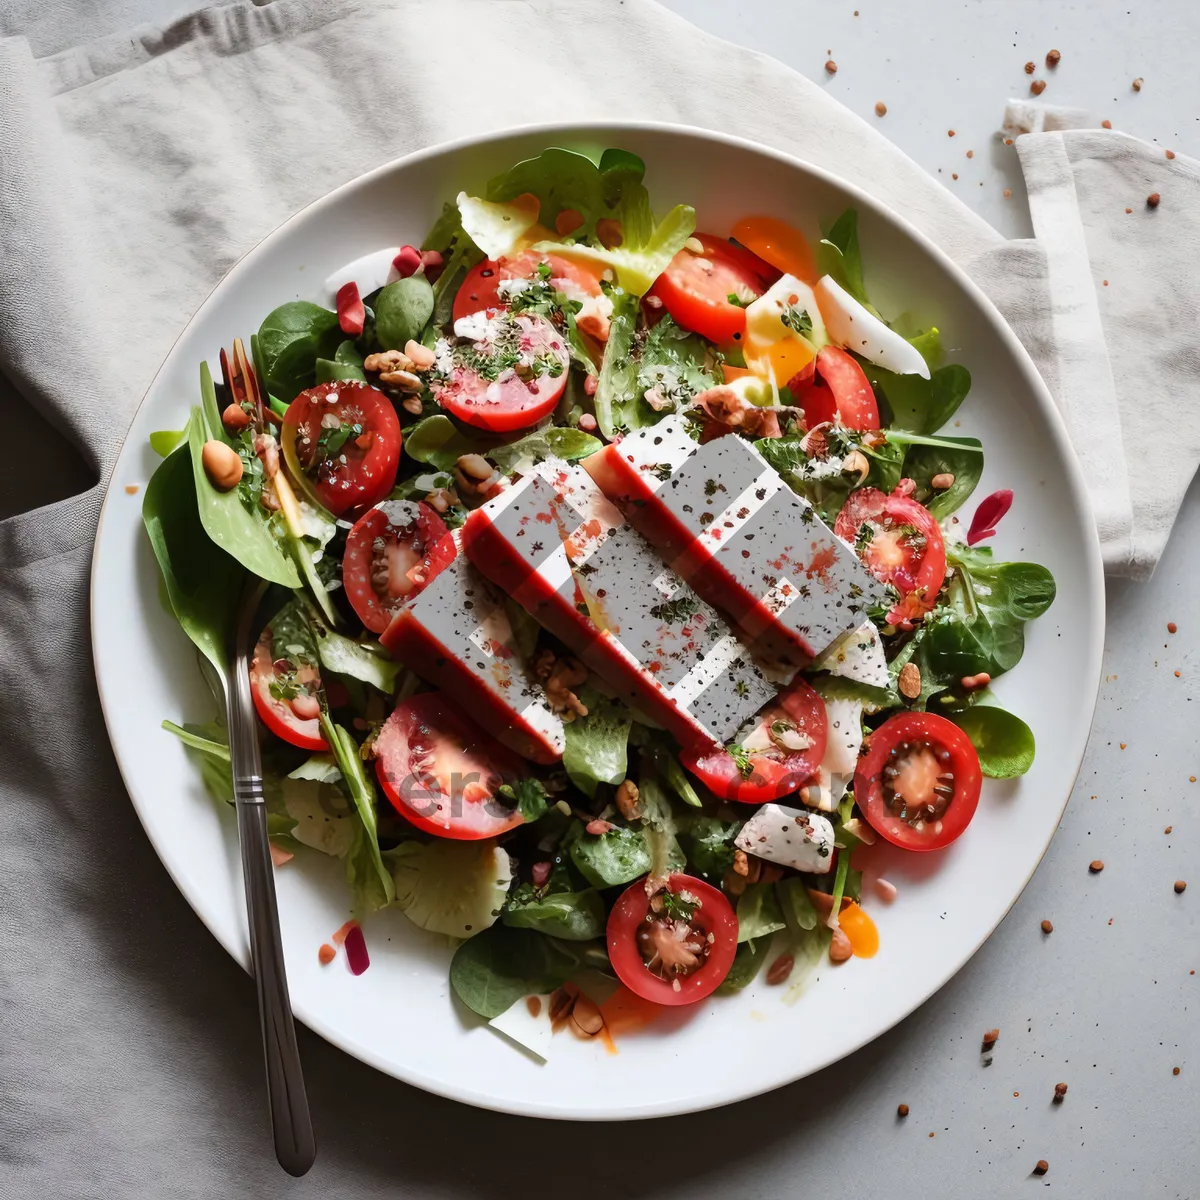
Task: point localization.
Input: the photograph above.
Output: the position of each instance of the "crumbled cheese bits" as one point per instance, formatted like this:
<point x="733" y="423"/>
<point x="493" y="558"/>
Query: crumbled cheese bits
<point x="563" y="552"/>
<point x="724" y="520"/>
<point x="456" y="634"/>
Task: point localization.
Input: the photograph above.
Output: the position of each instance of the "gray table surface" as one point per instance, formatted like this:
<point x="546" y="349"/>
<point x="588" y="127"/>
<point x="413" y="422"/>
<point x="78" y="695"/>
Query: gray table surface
<point x="1103" y="1002"/>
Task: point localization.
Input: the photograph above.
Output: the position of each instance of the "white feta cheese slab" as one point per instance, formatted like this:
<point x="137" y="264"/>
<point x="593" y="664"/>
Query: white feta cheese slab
<point x="858" y="656"/>
<point x="791" y="837"/>
<point x="843" y="742"/>
<point x="744" y="540"/>
<point x="854" y="327"/>
<point x="531" y="1031"/>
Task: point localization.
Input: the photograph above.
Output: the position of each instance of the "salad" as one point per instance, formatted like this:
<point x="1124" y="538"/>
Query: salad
<point x="626" y="579"/>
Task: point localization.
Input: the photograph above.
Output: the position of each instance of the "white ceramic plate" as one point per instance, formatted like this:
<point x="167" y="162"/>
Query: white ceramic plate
<point x="400" y="1016"/>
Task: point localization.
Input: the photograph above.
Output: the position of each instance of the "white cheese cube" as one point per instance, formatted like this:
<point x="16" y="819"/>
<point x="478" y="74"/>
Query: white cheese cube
<point x="790" y="837"/>
<point x="858" y="656"/>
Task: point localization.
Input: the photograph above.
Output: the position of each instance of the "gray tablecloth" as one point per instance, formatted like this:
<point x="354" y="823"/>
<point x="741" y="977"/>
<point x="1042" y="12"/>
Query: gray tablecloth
<point x="129" y="1055"/>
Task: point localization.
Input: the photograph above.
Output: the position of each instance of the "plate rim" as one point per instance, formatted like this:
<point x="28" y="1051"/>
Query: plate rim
<point x="1076" y="484"/>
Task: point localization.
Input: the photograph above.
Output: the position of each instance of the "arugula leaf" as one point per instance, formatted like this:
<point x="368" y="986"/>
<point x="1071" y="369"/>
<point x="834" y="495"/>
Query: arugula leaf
<point x="616" y="397"/>
<point x="292" y="338"/>
<point x="1004" y="742"/>
<point x="596" y="749"/>
<point x="371" y="883"/>
<point x="200" y="580"/>
<point x="572" y="916"/>
<point x="612" y="858"/>
<point x="758" y="912"/>
<point x="491" y="972"/>
<point x="838" y="255"/>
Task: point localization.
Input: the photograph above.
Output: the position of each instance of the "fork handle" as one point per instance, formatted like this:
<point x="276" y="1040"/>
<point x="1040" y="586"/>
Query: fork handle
<point x="295" y="1146"/>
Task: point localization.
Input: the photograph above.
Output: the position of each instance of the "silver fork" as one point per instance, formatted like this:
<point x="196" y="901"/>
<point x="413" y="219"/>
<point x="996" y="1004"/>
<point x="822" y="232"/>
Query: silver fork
<point x="295" y="1147"/>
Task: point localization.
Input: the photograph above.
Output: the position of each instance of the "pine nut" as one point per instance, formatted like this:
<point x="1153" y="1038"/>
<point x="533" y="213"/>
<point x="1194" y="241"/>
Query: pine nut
<point x="222" y="465"/>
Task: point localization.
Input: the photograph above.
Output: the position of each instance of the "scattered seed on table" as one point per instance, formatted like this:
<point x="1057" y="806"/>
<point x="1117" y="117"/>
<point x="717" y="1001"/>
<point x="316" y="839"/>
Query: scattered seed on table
<point x="1041" y="1167"/>
<point x="970" y="153"/>
<point x="1152" y="200"/>
<point x="1129" y="210"/>
<point x="1053" y="58"/>
<point x="991" y="1038"/>
<point x="1037" y="87"/>
<point x="1172" y="627"/>
<point x="1047" y="927"/>
<point x="932" y="1134"/>
<point x="1007" y="193"/>
<point x="1016" y="1094"/>
<point x="1191" y="779"/>
<point x="1174" y="1070"/>
<point x="1060" y="1090"/>
<point x="949" y="132"/>
<point x="1106" y="285"/>
<point x="880" y="108"/>
<point x="954" y="175"/>
<point x="902" y="1110"/>
<point x="1008" y="141"/>
<point x="1170" y="153"/>
<point x="1137" y="84"/>
<point x="1168" y="829"/>
<point x="326" y="954"/>
<point x="1180" y="886"/>
<point x="1178" y="674"/>
<point x="830" y="67"/>
<point x="1106" y="124"/>
<point x="1030" y="68"/>
<point x="1122" y="744"/>
<point x="1096" y="866"/>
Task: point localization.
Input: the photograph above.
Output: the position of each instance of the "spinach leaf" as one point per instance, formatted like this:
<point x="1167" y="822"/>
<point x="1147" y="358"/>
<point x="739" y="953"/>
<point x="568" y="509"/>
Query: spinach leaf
<point x="596" y="749"/>
<point x="948" y="388"/>
<point x="665" y="762"/>
<point x="401" y="311"/>
<point x="291" y="339"/>
<point x="329" y="370"/>
<point x="491" y="972"/>
<point x="200" y="580"/>
<point x="247" y="532"/>
<point x="1004" y="742"/>
<point x="982" y="627"/>
<point x="920" y="405"/>
<point x="749" y="960"/>
<point x="758" y="912"/>
<point x="529" y="796"/>
<point x="572" y="916"/>
<point x="437" y="441"/>
<point x="612" y="858"/>
<point x="560" y="179"/>
<point x="459" y="255"/>
<point x="364" y="660"/>
<point x="838" y="255"/>
<point x="928" y="457"/>
<point x="659" y="828"/>
<point x="708" y="843"/>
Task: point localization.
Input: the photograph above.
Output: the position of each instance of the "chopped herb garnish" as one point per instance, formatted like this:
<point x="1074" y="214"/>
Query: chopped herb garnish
<point x="671" y="611"/>
<point x="680" y="906"/>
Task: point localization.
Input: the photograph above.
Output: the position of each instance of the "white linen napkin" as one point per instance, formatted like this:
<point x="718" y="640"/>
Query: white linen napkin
<point x="134" y="172"/>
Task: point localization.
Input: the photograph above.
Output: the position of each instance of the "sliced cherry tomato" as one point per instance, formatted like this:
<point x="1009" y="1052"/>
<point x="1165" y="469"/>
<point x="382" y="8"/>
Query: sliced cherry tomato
<point x="776" y="242"/>
<point x="511" y="377"/>
<point x="898" y="539"/>
<point x="695" y="289"/>
<point x="650" y="956"/>
<point x="392" y="554"/>
<point x="347" y="441"/>
<point x="293" y="715"/>
<point x="441" y="771"/>
<point x="918" y="784"/>
<point x="838" y="389"/>
<point x="352" y="313"/>
<point x="782" y="753"/>
<point x="479" y="290"/>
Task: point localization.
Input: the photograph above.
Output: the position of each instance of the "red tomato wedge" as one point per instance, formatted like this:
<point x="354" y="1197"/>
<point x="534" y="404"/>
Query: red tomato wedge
<point x="392" y="554"/>
<point x="838" y="389"/>
<point x="918" y="784"/>
<point x="792" y="732"/>
<point x="347" y="441"/>
<point x="512" y="375"/>
<point x="899" y="540"/>
<point x="662" y="962"/>
<point x="295" y="720"/>
<point x="695" y="289"/>
<point x="779" y="244"/>
<point x="441" y="771"/>
<point x="479" y="290"/>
